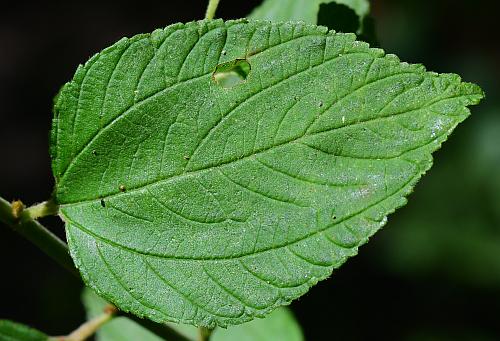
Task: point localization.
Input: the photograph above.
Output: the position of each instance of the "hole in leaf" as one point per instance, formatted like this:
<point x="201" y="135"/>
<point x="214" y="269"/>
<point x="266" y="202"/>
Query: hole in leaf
<point x="231" y="73"/>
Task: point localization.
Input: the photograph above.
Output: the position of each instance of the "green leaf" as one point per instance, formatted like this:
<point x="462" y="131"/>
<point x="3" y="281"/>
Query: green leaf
<point x="186" y="201"/>
<point x="339" y="15"/>
<point x="287" y="10"/>
<point x="361" y="7"/>
<point x="279" y="325"/>
<point x="302" y="10"/>
<point x="12" y="331"/>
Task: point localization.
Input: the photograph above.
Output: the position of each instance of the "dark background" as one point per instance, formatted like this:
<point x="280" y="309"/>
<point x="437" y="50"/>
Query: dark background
<point x="433" y="273"/>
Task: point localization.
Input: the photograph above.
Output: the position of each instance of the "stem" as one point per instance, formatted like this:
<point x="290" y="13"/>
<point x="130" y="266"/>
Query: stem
<point x="204" y="333"/>
<point x="211" y="8"/>
<point x="89" y="328"/>
<point x="22" y="222"/>
<point x="43" y="209"/>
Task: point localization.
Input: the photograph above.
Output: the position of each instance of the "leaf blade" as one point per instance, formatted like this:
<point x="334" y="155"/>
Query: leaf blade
<point x="180" y="207"/>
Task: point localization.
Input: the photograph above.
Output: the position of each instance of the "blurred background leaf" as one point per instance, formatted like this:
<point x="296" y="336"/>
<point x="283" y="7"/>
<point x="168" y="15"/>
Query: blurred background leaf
<point x="280" y="325"/>
<point x="338" y="15"/>
<point x="119" y="328"/>
<point x="13" y="331"/>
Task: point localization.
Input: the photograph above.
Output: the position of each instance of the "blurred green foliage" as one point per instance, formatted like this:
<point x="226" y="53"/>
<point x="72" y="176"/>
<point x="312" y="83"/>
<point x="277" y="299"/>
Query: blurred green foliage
<point x="451" y="226"/>
<point x="448" y="236"/>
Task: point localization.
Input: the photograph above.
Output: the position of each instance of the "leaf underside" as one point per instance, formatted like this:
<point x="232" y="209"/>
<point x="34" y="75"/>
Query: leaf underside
<point x="189" y="202"/>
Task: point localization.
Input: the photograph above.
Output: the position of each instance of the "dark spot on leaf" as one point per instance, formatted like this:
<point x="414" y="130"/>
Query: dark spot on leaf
<point x="122" y="188"/>
<point x="232" y="73"/>
<point x="94" y="153"/>
<point x="103" y="203"/>
<point x="186" y="157"/>
<point x="320" y="104"/>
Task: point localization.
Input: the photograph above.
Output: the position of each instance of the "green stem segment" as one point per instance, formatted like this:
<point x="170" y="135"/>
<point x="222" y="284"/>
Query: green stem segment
<point x="21" y="221"/>
<point x="89" y="328"/>
<point x="211" y="8"/>
<point x="43" y="209"/>
<point x="204" y="334"/>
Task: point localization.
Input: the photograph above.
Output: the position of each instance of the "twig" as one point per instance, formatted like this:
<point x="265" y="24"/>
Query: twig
<point x="204" y="334"/>
<point x="211" y="8"/>
<point x="19" y="219"/>
<point x="90" y="327"/>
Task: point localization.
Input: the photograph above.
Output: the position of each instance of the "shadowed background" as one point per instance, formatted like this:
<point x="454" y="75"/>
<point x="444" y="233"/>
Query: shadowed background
<point x="433" y="273"/>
